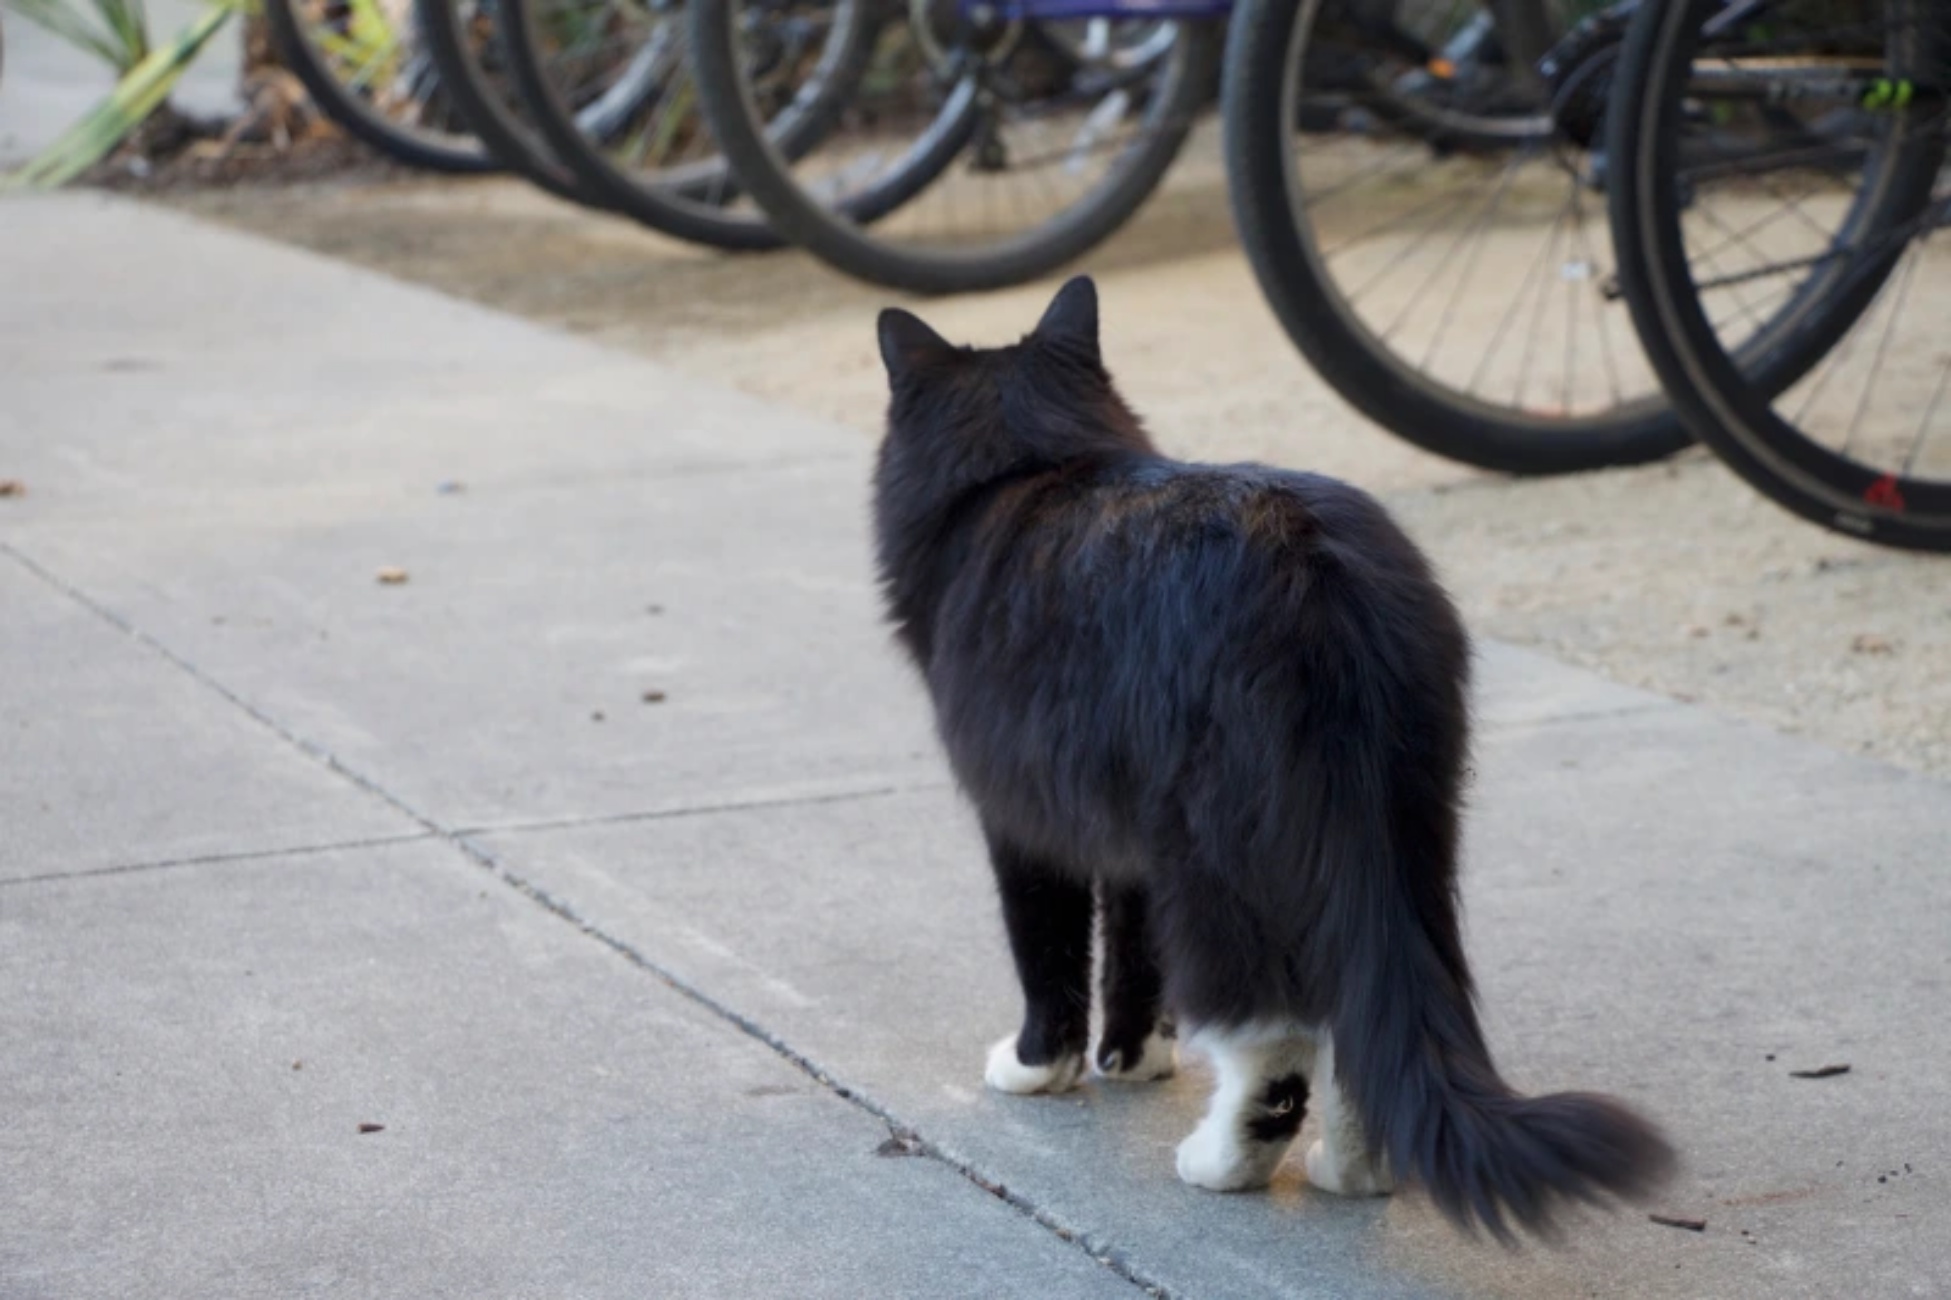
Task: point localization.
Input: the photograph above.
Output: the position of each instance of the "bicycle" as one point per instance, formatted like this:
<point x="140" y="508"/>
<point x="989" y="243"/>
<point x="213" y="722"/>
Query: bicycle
<point x="1782" y="161"/>
<point x="989" y="144"/>
<point x="364" y="65"/>
<point x="610" y="86"/>
<point x="470" y="56"/>
<point x="1416" y="191"/>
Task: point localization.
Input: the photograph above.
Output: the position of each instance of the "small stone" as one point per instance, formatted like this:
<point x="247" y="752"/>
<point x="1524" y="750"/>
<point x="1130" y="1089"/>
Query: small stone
<point x="372" y="1128"/>
<point x="899" y="1144"/>
<point x="1868" y="643"/>
<point x="297" y="1065"/>
<point x="450" y="487"/>
<point x="1685" y="1225"/>
<point x="391" y="576"/>
<point x="12" y="487"/>
<point x="596" y="716"/>
<point x="655" y="697"/>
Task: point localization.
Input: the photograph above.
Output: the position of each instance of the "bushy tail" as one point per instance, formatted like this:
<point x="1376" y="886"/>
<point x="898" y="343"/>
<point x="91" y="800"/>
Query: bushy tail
<point x="1408" y="1048"/>
<point x="1410" y="1055"/>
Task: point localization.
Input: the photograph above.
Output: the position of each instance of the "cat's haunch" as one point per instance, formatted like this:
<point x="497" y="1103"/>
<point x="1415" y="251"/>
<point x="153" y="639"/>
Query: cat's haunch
<point x="1220" y="710"/>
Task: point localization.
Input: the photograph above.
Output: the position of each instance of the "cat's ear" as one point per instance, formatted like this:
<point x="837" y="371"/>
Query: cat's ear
<point x="908" y="345"/>
<point x="1071" y="319"/>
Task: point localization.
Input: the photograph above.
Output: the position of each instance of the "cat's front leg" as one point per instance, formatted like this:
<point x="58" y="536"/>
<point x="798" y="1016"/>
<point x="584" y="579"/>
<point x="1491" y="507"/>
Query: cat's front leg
<point x="1257" y="1107"/>
<point x="1137" y="1043"/>
<point x="1048" y="913"/>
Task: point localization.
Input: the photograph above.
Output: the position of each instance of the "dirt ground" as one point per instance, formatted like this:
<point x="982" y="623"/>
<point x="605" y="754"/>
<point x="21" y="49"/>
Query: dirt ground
<point x="1676" y="578"/>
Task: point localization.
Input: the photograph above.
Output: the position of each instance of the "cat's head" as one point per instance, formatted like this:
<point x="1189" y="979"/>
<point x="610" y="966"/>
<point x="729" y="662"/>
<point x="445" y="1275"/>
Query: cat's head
<point x="958" y="415"/>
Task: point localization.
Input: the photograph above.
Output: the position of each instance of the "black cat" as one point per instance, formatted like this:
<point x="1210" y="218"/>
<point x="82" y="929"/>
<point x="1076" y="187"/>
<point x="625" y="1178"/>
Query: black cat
<point x="1232" y="701"/>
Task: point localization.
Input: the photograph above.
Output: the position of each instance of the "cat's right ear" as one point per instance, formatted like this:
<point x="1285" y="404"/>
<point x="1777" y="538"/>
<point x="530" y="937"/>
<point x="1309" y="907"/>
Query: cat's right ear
<point x="908" y="345"/>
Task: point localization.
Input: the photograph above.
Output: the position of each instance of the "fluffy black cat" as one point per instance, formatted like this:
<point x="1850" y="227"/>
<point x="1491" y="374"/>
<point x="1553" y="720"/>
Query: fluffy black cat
<point x="1231" y="701"/>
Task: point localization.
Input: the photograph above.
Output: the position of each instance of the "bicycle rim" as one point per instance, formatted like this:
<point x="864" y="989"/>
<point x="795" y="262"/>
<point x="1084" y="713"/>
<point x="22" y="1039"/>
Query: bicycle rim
<point x="999" y="157"/>
<point x="1457" y="297"/>
<point x="1853" y="429"/>
<point x="365" y="64"/>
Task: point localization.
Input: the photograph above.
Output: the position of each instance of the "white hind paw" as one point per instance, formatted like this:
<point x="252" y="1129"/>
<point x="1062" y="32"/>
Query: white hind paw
<point x="1363" y="1176"/>
<point x="1007" y="1073"/>
<point x="1157" y="1059"/>
<point x="1216" y="1158"/>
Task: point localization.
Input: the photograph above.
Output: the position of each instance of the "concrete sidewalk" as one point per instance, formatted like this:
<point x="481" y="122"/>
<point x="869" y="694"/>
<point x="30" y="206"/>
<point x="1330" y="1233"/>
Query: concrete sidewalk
<point x="637" y="987"/>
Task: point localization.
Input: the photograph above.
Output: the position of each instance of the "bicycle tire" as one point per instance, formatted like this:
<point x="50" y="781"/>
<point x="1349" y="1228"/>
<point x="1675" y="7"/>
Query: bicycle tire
<point x="1260" y="102"/>
<point x="454" y="155"/>
<point x="497" y="117"/>
<point x="839" y="234"/>
<point x="1728" y="397"/>
<point x="691" y="202"/>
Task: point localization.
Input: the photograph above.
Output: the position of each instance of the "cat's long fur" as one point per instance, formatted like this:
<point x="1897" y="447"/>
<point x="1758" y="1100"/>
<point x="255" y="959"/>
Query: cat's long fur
<point x="1240" y="690"/>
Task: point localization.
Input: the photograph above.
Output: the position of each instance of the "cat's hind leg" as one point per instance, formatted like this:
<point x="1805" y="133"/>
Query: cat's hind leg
<point x="1048" y="913"/>
<point x="1256" y="1109"/>
<point x="1341" y="1160"/>
<point x="1136" y="1043"/>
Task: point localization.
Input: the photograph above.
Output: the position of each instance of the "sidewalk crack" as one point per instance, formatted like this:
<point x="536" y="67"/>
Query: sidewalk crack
<point x="1105" y="1253"/>
<point x="703" y="809"/>
<point x="207" y="859"/>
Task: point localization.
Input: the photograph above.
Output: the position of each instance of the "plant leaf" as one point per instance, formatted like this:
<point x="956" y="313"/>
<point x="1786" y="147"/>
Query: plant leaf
<point x="135" y="97"/>
<point x="56" y="17"/>
<point x="128" y="20"/>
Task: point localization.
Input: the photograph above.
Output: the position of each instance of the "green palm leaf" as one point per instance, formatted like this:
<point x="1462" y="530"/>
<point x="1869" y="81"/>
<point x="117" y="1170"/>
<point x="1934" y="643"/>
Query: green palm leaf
<point x="117" y="34"/>
<point x="140" y="92"/>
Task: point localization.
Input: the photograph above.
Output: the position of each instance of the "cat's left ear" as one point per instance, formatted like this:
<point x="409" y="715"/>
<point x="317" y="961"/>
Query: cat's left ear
<point x="908" y="345"/>
<point x="1071" y="319"/>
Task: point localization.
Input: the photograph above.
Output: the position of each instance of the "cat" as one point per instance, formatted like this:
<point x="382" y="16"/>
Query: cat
<point x="1221" y="710"/>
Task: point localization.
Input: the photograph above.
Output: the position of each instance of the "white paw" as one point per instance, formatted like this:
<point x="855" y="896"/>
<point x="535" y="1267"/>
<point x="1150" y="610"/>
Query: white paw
<point x="1006" y="1073"/>
<point x="1158" y="1059"/>
<point x="1215" y="1158"/>
<point x="1367" y="1176"/>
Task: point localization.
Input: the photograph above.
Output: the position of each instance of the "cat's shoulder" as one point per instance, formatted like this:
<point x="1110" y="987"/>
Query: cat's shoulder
<point x="1242" y="483"/>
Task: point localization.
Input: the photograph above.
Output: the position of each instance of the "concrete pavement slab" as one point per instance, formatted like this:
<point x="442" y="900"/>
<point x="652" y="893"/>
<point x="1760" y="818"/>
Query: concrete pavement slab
<point x="1661" y="903"/>
<point x="618" y="529"/>
<point x="191" y="1056"/>
<point x="111" y="756"/>
<point x="506" y="679"/>
<point x="190" y="371"/>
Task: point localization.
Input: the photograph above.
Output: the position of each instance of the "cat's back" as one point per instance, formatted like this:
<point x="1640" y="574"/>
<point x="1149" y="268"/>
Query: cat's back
<point x="1158" y="515"/>
<point x="1176" y="563"/>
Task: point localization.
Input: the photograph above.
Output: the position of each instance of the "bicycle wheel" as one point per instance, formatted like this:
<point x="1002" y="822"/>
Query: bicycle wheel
<point x="610" y="86"/>
<point x="366" y="66"/>
<point x="1430" y="239"/>
<point x="1784" y="168"/>
<point x="1007" y="153"/>
<point x="470" y="57"/>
